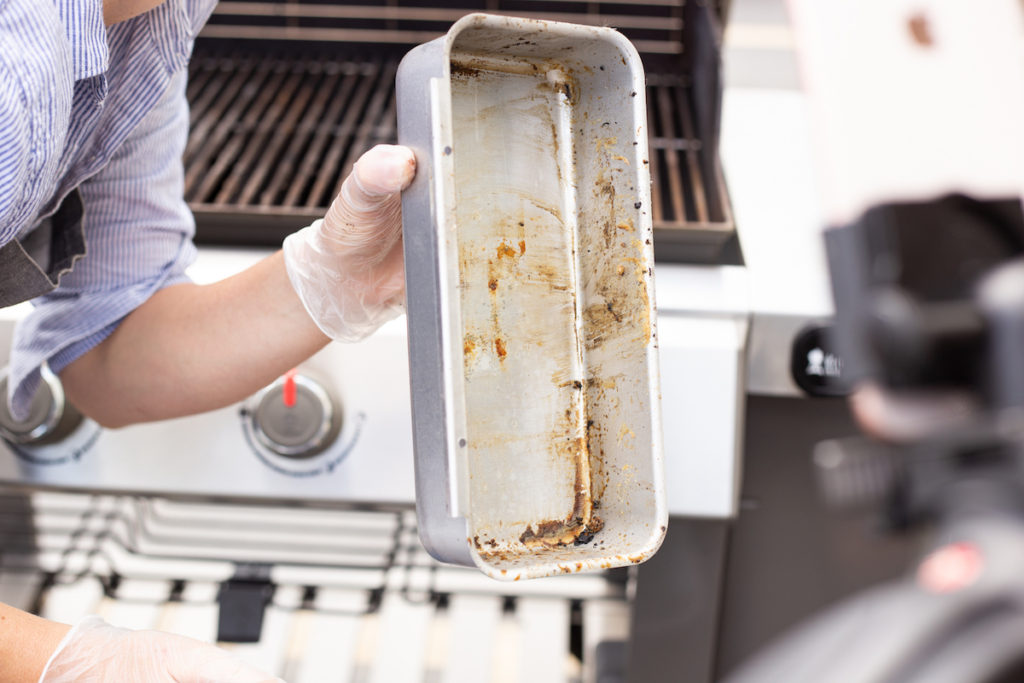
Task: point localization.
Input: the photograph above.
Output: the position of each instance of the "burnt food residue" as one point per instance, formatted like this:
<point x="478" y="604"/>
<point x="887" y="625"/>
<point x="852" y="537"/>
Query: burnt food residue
<point x="582" y="524"/>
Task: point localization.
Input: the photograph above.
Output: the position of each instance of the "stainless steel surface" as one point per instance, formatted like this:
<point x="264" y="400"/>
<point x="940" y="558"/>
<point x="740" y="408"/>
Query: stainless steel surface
<point x="301" y="426"/>
<point x="45" y="412"/>
<point x="533" y="193"/>
<point x="355" y="597"/>
<point x="436" y="477"/>
<point x="216" y="454"/>
<point x="703" y="313"/>
<point x="767" y="161"/>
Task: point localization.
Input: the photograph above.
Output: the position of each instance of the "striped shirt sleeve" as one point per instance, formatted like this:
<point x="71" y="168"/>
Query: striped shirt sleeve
<point x="138" y="232"/>
<point x="35" y="106"/>
<point x="14" y="153"/>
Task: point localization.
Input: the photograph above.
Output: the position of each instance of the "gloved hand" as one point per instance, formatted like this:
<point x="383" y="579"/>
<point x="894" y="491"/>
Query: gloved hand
<point x="347" y="268"/>
<point x="93" y="651"/>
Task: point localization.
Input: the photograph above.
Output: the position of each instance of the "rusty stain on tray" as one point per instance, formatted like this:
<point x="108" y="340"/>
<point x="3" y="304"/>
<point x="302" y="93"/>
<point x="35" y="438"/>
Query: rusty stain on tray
<point x="506" y="250"/>
<point x="623" y="300"/>
<point x="606" y="305"/>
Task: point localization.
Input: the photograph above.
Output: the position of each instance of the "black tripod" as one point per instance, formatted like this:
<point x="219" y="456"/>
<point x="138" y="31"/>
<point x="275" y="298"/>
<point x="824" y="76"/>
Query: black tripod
<point x="930" y="305"/>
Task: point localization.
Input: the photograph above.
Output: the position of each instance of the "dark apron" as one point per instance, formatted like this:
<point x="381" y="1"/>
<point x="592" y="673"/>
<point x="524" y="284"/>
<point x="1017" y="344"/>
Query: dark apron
<point x="32" y="266"/>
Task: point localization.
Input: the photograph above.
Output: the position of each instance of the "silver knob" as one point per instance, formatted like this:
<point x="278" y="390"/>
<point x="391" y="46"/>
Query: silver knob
<point x="50" y="416"/>
<point x="296" y="417"/>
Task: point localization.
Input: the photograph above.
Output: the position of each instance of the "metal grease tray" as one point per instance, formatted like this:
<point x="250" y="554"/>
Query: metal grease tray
<point x="530" y="294"/>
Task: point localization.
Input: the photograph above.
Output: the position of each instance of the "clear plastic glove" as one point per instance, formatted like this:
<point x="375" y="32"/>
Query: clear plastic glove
<point x="347" y="268"/>
<point x="93" y="651"/>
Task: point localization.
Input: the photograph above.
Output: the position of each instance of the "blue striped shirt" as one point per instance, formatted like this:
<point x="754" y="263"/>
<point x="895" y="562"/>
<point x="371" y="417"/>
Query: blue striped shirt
<point x="102" y="109"/>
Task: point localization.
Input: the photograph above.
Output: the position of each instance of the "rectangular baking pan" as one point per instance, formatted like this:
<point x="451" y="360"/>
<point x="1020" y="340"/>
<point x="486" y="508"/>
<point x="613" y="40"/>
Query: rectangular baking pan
<point x="530" y="296"/>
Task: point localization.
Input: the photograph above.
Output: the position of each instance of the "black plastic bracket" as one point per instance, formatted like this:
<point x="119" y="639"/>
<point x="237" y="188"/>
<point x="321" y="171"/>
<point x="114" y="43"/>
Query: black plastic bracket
<point x="243" y="599"/>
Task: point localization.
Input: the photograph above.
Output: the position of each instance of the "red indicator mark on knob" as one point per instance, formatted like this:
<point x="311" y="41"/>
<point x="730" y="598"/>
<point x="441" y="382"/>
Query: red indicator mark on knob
<point x="288" y="391"/>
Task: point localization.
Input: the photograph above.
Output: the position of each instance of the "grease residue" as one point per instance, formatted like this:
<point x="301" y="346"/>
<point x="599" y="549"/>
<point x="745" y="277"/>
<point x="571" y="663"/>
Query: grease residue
<point x="539" y="401"/>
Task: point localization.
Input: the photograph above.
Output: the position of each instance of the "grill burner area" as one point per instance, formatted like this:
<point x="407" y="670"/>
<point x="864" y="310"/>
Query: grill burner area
<point x="273" y="135"/>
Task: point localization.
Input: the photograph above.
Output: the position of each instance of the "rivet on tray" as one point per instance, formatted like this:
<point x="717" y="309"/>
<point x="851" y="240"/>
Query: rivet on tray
<point x="462" y="443"/>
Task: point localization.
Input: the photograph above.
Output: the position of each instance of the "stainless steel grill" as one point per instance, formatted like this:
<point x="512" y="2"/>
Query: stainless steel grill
<point x="348" y="589"/>
<point x="285" y="96"/>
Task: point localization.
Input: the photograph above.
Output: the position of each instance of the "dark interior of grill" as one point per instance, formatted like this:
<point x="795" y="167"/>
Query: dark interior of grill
<point x="285" y="96"/>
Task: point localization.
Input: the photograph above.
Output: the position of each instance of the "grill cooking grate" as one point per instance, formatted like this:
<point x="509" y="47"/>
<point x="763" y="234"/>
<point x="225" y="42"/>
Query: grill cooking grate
<point x="277" y="135"/>
<point x="655" y="26"/>
<point x="274" y="134"/>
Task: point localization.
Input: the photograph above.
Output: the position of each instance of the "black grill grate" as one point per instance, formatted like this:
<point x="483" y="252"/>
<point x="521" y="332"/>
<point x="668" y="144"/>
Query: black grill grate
<point x="274" y="135"/>
<point x="654" y="26"/>
<point x="687" y="191"/>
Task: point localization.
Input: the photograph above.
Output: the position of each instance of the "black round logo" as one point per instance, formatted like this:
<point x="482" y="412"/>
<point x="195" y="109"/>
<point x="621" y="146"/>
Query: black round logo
<point x="815" y="365"/>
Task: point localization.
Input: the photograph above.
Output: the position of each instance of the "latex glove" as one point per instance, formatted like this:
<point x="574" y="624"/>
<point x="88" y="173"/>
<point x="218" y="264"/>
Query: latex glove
<point x="93" y="651"/>
<point x="347" y="268"/>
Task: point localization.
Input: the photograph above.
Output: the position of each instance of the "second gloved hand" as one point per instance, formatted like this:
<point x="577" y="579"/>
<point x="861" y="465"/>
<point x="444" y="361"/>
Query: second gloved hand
<point x="348" y="268"/>
<point x="94" y="652"/>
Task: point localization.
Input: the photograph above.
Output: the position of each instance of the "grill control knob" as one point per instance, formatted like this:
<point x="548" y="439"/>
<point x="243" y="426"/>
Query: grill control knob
<point x="50" y="416"/>
<point x="295" y="417"/>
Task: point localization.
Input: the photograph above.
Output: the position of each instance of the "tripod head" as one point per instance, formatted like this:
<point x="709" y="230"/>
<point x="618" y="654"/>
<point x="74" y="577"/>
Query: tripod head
<point x="930" y="305"/>
<point x="930" y="323"/>
<point x="921" y="291"/>
<point x="912" y="102"/>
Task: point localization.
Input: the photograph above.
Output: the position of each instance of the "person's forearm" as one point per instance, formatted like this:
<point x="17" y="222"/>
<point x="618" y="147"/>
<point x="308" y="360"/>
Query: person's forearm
<point x="26" y="643"/>
<point x="192" y="348"/>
